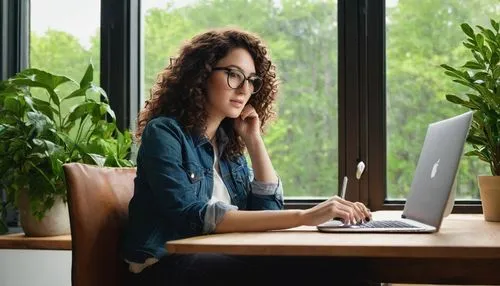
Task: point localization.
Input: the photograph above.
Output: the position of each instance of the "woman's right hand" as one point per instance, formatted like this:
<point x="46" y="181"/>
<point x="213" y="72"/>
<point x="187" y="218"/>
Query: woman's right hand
<point x="336" y="207"/>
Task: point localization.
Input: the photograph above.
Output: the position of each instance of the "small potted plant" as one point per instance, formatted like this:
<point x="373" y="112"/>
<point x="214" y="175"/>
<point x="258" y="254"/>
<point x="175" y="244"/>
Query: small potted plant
<point x="47" y="120"/>
<point x="481" y="74"/>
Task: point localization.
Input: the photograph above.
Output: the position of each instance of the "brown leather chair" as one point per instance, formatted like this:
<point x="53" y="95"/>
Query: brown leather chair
<point x="98" y="207"/>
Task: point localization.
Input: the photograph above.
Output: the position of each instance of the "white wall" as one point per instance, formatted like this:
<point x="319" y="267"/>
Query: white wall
<point x="35" y="267"/>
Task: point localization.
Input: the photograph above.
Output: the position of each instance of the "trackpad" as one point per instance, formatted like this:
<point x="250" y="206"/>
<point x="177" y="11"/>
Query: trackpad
<point x="335" y="224"/>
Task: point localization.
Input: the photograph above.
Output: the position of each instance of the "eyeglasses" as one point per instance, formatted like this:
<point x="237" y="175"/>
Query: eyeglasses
<point x="236" y="79"/>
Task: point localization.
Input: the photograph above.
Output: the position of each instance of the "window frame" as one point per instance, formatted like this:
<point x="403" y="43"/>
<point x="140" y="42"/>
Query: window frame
<point x="14" y="36"/>
<point x="121" y="70"/>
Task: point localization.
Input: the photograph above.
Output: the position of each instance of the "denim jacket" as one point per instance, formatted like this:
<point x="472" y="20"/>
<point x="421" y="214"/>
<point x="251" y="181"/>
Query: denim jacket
<point x="174" y="184"/>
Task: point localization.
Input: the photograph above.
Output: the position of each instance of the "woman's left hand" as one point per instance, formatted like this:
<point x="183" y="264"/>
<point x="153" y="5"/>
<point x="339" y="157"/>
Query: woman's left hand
<point x="247" y="125"/>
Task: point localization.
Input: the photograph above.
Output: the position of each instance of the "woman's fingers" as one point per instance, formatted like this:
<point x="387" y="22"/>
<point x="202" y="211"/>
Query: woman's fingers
<point x="343" y="211"/>
<point x="336" y="207"/>
<point x="362" y="211"/>
<point x="248" y="111"/>
<point x="344" y="215"/>
<point x="359" y="212"/>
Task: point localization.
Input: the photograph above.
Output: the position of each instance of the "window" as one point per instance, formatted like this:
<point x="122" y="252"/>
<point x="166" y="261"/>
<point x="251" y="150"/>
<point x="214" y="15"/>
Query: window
<point x="65" y="40"/>
<point x="421" y="35"/>
<point x="360" y="79"/>
<point x="302" y="37"/>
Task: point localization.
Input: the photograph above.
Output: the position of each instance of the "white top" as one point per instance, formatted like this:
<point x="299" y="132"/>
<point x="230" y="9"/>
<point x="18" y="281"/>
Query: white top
<point x="220" y="192"/>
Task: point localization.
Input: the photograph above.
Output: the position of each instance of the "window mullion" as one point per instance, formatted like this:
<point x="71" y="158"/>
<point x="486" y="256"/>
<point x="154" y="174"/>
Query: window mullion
<point x="349" y="94"/>
<point x="120" y="54"/>
<point x="14" y="37"/>
<point x="375" y="110"/>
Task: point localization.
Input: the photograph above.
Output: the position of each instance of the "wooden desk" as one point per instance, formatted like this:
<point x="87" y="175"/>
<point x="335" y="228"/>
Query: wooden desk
<point x="466" y="250"/>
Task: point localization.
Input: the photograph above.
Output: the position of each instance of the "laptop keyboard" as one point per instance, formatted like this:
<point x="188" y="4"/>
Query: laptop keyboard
<point x="386" y="224"/>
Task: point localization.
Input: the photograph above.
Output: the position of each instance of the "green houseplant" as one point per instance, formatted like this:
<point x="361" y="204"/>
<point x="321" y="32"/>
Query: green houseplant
<point x="481" y="74"/>
<point x="47" y="120"/>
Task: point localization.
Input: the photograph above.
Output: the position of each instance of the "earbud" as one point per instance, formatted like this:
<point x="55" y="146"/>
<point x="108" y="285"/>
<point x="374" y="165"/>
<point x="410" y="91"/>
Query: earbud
<point x="359" y="169"/>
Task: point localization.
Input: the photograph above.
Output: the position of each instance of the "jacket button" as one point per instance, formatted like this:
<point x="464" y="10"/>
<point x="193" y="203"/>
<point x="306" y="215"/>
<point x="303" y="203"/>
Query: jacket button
<point x="192" y="176"/>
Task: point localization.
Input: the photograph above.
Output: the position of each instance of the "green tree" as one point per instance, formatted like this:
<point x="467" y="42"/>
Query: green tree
<point x="59" y="52"/>
<point x="421" y="35"/>
<point x="302" y="38"/>
<point x="62" y="53"/>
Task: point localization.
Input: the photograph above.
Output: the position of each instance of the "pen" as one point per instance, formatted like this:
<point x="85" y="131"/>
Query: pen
<point x="344" y="188"/>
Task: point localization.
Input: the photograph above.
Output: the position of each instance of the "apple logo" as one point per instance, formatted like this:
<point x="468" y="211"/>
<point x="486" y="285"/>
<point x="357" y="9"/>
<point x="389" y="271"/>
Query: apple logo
<point x="434" y="169"/>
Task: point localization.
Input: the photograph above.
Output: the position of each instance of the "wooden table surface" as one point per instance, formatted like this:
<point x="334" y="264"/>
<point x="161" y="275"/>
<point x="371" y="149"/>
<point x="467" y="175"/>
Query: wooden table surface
<point x="466" y="250"/>
<point x="460" y="236"/>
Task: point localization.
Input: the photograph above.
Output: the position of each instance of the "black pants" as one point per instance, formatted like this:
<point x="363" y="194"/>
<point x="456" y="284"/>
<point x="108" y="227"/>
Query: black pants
<point x="217" y="269"/>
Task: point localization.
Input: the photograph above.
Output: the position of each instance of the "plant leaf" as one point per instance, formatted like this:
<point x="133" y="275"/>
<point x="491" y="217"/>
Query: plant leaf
<point x="65" y="138"/>
<point x="452" y="74"/>
<point x="76" y="93"/>
<point x="478" y="58"/>
<point x="495" y="25"/>
<point x="45" y="108"/>
<point x="454" y="99"/>
<point x="95" y="159"/>
<point x="99" y="90"/>
<point x="87" y="77"/>
<point x="472" y="47"/>
<point x="31" y="83"/>
<point x="52" y="81"/>
<point x="480" y="40"/>
<point x="475" y="153"/>
<point x="81" y="110"/>
<point x="50" y="147"/>
<point x="39" y="121"/>
<point x="477" y="140"/>
<point x="467" y="30"/>
<point x="474" y="65"/>
<point x="13" y="104"/>
<point x="451" y="69"/>
<point x="495" y="57"/>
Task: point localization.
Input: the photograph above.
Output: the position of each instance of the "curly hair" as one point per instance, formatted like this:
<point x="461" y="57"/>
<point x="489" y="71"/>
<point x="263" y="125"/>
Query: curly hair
<point x="180" y="90"/>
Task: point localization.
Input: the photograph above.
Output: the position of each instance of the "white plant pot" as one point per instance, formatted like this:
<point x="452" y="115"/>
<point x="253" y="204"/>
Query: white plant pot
<point x="55" y="222"/>
<point x="489" y="191"/>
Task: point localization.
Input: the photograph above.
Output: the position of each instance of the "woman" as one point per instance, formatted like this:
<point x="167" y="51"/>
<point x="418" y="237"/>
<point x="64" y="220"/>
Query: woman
<point x="207" y="108"/>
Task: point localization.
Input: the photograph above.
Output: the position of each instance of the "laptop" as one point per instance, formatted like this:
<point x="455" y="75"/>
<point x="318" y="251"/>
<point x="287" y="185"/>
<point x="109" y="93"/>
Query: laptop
<point x="432" y="183"/>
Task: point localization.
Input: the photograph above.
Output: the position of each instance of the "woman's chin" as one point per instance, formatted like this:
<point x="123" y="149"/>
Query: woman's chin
<point x="234" y="115"/>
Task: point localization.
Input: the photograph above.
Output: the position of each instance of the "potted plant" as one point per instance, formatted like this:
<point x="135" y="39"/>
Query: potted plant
<point x="47" y="120"/>
<point x="481" y="74"/>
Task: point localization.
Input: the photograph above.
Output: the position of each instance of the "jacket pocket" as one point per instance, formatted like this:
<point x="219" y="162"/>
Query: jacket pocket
<point x="196" y="177"/>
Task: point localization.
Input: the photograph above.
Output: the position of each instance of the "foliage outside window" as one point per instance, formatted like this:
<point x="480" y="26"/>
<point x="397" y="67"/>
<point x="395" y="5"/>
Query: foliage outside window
<point x="63" y="42"/>
<point x="302" y="37"/>
<point x="422" y="34"/>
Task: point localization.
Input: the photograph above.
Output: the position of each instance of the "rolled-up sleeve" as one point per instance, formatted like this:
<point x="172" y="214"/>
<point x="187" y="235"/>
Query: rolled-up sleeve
<point x="265" y="196"/>
<point x="267" y="189"/>
<point x="214" y="214"/>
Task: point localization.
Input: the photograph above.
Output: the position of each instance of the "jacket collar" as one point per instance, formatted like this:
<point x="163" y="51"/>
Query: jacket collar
<point x="222" y="139"/>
